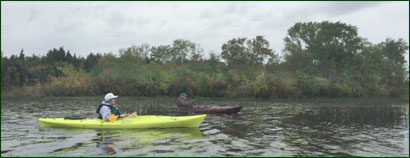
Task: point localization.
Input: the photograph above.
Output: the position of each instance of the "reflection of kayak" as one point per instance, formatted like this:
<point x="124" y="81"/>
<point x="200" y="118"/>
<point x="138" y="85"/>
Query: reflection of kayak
<point x="138" y="139"/>
<point x="112" y="140"/>
<point x="214" y="110"/>
<point x="107" y="140"/>
<point x="144" y="121"/>
<point x="149" y="135"/>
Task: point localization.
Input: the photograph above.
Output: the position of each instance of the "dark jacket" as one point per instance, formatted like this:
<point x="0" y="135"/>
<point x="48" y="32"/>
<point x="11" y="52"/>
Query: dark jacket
<point x="185" y="104"/>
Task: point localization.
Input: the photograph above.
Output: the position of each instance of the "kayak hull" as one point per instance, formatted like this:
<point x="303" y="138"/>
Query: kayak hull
<point x="218" y="110"/>
<point x="214" y="110"/>
<point x="144" y="121"/>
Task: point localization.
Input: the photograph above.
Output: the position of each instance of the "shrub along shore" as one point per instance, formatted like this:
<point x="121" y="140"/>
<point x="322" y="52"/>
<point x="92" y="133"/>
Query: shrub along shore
<point x="320" y="59"/>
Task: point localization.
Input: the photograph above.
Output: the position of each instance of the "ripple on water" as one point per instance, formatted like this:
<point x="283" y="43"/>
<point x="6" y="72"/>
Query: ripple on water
<point x="211" y="132"/>
<point x="262" y="128"/>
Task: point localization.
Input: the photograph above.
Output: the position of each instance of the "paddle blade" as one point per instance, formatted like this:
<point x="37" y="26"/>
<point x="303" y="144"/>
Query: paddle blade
<point x="112" y="118"/>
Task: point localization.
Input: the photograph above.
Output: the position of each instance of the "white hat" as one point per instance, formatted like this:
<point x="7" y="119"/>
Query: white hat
<point x="109" y="96"/>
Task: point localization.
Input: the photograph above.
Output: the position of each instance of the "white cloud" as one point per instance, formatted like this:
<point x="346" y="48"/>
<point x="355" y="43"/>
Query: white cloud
<point x="84" y="27"/>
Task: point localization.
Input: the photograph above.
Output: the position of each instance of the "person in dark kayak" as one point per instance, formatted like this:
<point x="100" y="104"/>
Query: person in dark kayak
<point x="184" y="103"/>
<point x="108" y="107"/>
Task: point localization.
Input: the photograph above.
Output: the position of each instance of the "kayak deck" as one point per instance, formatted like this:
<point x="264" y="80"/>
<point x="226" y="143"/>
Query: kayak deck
<point x="144" y="121"/>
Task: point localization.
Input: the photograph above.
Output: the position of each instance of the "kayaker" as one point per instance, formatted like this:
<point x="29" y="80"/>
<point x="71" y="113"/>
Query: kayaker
<point x="108" y="107"/>
<point x="183" y="102"/>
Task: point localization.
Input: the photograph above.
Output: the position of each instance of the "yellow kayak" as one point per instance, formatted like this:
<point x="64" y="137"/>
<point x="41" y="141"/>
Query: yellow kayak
<point x="144" y="121"/>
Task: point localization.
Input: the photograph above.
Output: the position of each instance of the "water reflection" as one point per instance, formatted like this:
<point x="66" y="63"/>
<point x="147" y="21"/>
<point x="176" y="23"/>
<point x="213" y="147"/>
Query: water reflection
<point x="380" y="116"/>
<point x="345" y="130"/>
<point x="105" y="143"/>
<point x="263" y="128"/>
<point x="314" y="130"/>
<point x="138" y="139"/>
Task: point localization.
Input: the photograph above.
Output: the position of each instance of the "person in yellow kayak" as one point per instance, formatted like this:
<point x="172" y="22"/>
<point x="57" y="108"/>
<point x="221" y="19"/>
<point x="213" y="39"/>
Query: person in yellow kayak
<point x="108" y="107"/>
<point x="184" y="103"/>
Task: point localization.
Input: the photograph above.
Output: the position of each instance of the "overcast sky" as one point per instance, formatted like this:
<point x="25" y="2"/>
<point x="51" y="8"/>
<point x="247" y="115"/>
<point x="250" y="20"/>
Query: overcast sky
<point x="84" y="27"/>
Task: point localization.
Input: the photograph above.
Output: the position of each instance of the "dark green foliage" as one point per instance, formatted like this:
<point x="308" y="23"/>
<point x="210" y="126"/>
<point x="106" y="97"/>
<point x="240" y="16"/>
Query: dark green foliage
<point x="256" y="51"/>
<point x="91" y="61"/>
<point x="321" y="60"/>
<point x="328" y="47"/>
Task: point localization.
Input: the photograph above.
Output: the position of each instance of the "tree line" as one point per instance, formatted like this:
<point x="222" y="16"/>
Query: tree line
<point x="320" y="59"/>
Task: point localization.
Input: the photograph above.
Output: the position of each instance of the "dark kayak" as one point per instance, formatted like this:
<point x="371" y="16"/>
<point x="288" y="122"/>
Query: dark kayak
<point x="213" y="110"/>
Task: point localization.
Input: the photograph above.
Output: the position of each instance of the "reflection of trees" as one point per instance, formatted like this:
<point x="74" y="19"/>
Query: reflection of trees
<point x="339" y="131"/>
<point x="320" y="140"/>
<point x="232" y="125"/>
<point x="381" y="116"/>
<point x="250" y="128"/>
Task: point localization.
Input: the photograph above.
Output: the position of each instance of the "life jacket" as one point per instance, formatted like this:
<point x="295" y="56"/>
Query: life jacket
<point x="113" y="109"/>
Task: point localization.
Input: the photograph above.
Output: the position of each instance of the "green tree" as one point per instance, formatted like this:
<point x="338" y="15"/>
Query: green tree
<point x="183" y="50"/>
<point x="260" y="51"/>
<point x="234" y="52"/>
<point x="326" y="46"/>
<point x="142" y="51"/>
<point x="91" y="61"/>
<point x="393" y="52"/>
<point x="321" y="59"/>
<point x="161" y="54"/>
<point x="256" y="51"/>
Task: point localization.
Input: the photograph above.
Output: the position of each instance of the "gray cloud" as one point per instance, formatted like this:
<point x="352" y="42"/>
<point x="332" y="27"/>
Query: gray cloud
<point x="345" y="7"/>
<point x="85" y="27"/>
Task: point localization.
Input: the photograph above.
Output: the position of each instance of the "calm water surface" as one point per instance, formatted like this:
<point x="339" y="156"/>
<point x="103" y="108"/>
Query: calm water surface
<point x="321" y="127"/>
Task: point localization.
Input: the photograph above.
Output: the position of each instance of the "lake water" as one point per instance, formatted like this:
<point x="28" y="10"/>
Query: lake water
<point x="320" y="127"/>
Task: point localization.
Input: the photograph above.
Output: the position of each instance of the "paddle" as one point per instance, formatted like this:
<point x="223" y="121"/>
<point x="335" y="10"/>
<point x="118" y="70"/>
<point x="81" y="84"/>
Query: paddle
<point x="192" y="95"/>
<point x="113" y="118"/>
